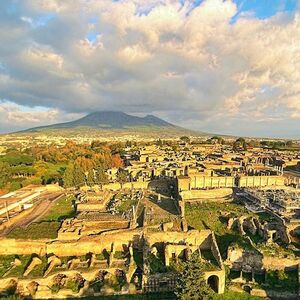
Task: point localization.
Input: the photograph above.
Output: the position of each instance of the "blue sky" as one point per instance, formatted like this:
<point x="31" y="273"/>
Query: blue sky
<point x="266" y="8"/>
<point x="209" y="65"/>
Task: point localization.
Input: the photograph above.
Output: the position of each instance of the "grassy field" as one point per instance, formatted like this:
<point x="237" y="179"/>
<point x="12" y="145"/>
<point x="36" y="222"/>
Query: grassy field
<point x="7" y="260"/>
<point x="35" y="231"/>
<point x="126" y="205"/>
<point x="62" y="209"/>
<point x="209" y="216"/>
<point x="229" y="295"/>
<point x="48" y="226"/>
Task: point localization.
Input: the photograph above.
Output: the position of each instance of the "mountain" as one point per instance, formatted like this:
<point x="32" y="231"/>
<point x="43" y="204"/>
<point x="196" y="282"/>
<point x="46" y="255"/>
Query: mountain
<point x="106" y="122"/>
<point x="109" y="119"/>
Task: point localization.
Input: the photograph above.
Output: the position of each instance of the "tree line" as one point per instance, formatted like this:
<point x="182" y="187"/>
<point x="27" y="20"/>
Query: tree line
<point x="71" y="164"/>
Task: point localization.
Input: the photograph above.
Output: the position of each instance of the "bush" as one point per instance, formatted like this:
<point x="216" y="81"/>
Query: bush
<point x="98" y="282"/>
<point x="76" y="283"/>
<point x="156" y="264"/>
<point x="58" y="283"/>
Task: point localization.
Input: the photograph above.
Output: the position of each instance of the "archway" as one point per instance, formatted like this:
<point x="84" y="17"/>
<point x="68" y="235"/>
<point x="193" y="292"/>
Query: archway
<point x="213" y="282"/>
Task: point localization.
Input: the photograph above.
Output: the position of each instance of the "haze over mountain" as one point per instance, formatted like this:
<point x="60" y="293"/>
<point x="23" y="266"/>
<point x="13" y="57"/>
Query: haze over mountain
<point x="105" y="121"/>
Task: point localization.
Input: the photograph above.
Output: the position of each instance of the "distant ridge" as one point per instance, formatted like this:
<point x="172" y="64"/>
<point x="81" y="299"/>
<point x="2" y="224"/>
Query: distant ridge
<point x="109" y="119"/>
<point x="117" y="122"/>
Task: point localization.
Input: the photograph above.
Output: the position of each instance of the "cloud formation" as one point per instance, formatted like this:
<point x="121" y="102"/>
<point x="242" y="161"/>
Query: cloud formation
<point x="196" y="65"/>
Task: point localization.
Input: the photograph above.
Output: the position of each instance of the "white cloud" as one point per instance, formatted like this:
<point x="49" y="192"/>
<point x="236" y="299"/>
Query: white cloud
<point x="151" y="56"/>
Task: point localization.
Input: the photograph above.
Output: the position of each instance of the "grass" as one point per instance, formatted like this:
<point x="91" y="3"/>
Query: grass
<point x="229" y="295"/>
<point x="101" y="256"/>
<point x="150" y="296"/>
<point x="275" y="250"/>
<point x="126" y="203"/>
<point x="48" y="227"/>
<point x="265" y="216"/>
<point x="62" y="209"/>
<point x="39" y="270"/>
<point x="118" y="255"/>
<point x="35" y="231"/>
<point x="208" y="215"/>
<point x="5" y="263"/>
<point x="282" y="280"/>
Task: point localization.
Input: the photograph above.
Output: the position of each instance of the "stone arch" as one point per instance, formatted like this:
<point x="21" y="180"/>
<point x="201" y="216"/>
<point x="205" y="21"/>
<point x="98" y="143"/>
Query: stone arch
<point x="213" y="282"/>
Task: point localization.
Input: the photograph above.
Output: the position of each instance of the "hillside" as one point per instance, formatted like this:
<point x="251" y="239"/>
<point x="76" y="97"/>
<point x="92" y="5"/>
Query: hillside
<point x="117" y="123"/>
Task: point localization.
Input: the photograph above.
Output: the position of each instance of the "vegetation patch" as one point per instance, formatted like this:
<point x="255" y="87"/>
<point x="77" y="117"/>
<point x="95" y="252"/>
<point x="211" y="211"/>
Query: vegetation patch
<point x="229" y="295"/>
<point x="210" y="216"/>
<point x="35" y="231"/>
<point x="61" y="209"/>
<point x="156" y="264"/>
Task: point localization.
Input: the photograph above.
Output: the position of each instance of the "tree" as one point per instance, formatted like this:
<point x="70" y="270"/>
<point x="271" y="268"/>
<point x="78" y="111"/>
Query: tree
<point x="4" y="173"/>
<point x="217" y="139"/>
<point x="191" y="283"/>
<point x="101" y="176"/>
<point x="185" y="139"/>
<point x="235" y="146"/>
<point x="69" y="176"/>
<point x="159" y="142"/>
<point x="240" y="140"/>
<point x="122" y="176"/>
<point x="116" y="161"/>
<point x="79" y="173"/>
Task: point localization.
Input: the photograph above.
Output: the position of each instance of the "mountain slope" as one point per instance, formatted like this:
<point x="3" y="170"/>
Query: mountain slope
<point x="114" y="123"/>
<point x="109" y="119"/>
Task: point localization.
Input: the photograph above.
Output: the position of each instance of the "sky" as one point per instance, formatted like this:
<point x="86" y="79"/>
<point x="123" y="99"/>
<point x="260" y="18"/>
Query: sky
<point x="220" y="66"/>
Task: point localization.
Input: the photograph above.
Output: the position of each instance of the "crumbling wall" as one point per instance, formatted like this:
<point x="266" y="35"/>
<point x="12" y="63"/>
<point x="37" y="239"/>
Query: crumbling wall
<point x="22" y="247"/>
<point x="258" y="181"/>
<point x="211" y="195"/>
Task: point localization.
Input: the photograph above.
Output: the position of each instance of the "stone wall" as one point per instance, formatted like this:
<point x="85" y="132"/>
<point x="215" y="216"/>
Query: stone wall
<point x="128" y="185"/>
<point x="275" y="263"/>
<point x="212" y="195"/>
<point x="193" y="237"/>
<point x="22" y="247"/>
<point x="258" y="181"/>
<point x="68" y="248"/>
<point x="200" y="182"/>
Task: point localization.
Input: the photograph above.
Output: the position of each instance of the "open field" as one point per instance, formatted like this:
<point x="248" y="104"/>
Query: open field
<point x="48" y="225"/>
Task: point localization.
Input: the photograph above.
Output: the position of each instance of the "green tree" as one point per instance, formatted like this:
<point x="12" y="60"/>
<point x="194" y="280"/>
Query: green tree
<point x="235" y="146"/>
<point x="79" y="174"/>
<point x="217" y="139"/>
<point x="101" y="176"/>
<point x="122" y="176"/>
<point x="185" y="139"/>
<point x="240" y="140"/>
<point x="69" y="176"/>
<point x="191" y="283"/>
<point x="4" y="173"/>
